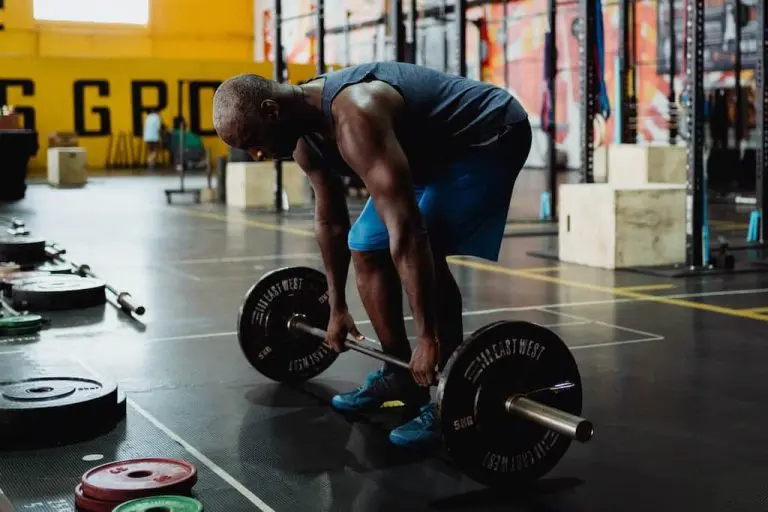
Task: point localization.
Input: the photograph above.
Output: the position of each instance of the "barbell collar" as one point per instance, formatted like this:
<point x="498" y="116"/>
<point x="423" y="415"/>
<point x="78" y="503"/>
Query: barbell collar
<point x="569" y="425"/>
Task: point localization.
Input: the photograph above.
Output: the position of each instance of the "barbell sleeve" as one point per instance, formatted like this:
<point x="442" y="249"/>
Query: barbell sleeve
<point x="124" y="299"/>
<point x="562" y="422"/>
<point x="127" y="302"/>
<point x="569" y="425"/>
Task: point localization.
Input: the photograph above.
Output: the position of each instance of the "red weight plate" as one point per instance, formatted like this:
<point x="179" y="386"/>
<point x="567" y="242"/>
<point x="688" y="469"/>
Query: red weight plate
<point x="130" y="479"/>
<point x="86" y="504"/>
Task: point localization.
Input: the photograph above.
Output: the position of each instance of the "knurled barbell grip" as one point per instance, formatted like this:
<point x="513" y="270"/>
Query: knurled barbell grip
<point x="296" y="322"/>
<point x="569" y="425"/>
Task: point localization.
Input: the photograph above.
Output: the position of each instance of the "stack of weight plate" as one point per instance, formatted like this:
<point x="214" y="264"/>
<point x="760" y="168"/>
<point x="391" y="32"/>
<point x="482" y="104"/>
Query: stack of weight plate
<point x="46" y="411"/>
<point x="38" y="284"/>
<point x="139" y="485"/>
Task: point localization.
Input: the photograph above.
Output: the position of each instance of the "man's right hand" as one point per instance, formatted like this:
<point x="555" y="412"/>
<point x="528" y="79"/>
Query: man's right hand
<point x="339" y="325"/>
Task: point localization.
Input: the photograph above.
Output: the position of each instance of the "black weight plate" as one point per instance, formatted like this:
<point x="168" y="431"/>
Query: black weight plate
<point x="122" y="406"/>
<point x="55" y="267"/>
<point x="263" y="324"/>
<point x="59" y="292"/>
<point x="44" y="411"/>
<point x="9" y="280"/>
<point x="22" y="249"/>
<point x="506" y="359"/>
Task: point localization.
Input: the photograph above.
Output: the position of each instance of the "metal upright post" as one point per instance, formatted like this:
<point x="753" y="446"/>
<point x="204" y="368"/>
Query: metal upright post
<point x="320" y="12"/>
<point x="412" y="22"/>
<point x="588" y="76"/>
<point x="627" y="133"/>
<point x="397" y="29"/>
<point x="552" y="125"/>
<point x="182" y="129"/>
<point x="279" y="68"/>
<point x="738" y="118"/>
<point x="761" y="101"/>
<point x="505" y="39"/>
<point x="460" y="21"/>
<point x="347" y="39"/>
<point x="695" y="119"/>
<point x="444" y="20"/>
<point x="671" y="98"/>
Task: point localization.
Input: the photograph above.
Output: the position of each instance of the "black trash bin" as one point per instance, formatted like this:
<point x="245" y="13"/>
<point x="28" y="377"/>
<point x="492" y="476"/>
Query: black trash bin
<point x="16" y="148"/>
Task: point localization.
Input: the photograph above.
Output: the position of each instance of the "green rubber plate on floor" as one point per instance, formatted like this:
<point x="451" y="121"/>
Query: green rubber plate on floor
<point x="164" y="503"/>
<point x="20" y="324"/>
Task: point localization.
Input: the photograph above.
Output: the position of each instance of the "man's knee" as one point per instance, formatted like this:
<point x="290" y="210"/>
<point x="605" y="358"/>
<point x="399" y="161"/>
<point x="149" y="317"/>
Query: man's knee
<point x="369" y="263"/>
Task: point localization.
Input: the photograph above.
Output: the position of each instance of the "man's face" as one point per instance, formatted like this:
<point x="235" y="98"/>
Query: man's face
<point x="278" y="133"/>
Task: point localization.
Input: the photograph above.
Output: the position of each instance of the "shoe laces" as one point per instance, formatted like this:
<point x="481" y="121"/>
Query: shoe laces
<point x="427" y="414"/>
<point x="374" y="381"/>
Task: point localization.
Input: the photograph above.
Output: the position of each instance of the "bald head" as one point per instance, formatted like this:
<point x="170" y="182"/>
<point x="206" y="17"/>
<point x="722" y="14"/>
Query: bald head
<point x="237" y="116"/>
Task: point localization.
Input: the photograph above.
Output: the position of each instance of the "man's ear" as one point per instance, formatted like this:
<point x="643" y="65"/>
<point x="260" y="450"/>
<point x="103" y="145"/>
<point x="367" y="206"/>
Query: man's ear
<point x="269" y="110"/>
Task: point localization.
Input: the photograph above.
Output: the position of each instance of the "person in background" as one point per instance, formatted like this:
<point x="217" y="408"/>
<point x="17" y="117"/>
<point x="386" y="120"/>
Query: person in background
<point x="152" y="125"/>
<point x="194" y="150"/>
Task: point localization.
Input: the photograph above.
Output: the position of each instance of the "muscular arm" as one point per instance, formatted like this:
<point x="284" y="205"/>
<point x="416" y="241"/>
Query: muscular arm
<point x="331" y="225"/>
<point x="368" y="143"/>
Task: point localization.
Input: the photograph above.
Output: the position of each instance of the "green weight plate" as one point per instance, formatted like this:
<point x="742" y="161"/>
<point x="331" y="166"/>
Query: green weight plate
<point x="20" y="324"/>
<point x="161" y="503"/>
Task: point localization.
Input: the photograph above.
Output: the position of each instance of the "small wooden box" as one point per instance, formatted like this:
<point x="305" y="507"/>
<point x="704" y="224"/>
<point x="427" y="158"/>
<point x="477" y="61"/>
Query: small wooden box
<point x="633" y="164"/>
<point x="602" y="225"/>
<point x="253" y="184"/>
<point x="66" y="167"/>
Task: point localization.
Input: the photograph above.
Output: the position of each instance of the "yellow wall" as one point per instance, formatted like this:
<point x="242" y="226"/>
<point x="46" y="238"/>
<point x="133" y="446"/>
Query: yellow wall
<point x="177" y="29"/>
<point x="52" y="99"/>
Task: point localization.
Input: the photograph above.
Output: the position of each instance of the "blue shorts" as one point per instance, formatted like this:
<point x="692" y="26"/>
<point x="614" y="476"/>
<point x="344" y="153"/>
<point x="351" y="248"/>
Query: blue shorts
<point x="465" y="207"/>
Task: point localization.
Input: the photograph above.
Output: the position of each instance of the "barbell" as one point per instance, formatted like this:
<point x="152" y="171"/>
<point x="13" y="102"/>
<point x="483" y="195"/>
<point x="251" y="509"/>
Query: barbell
<point x="491" y="425"/>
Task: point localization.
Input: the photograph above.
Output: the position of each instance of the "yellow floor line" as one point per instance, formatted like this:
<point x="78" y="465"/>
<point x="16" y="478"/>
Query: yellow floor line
<point x="617" y="292"/>
<point x="725" y="224"/>
<point x="762" y="310"/>
<point x="541" y="269"/>
<point x="248" y="222"/>
<point x="611" y="290"/>
<point x="647" y="287"/>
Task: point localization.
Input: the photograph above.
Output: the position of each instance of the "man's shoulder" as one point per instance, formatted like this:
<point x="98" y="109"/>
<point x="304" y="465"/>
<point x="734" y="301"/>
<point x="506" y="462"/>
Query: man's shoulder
<point x="368" y="99"/>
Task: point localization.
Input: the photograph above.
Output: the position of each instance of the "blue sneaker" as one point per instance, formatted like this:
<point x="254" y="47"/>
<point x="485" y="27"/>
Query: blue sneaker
<point x="422" y="432"/>
<point x="381" y="386"/>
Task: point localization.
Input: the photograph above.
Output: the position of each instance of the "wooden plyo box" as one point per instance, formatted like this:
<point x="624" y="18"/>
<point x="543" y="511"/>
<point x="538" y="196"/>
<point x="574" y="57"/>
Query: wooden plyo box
<point x="66" y="167"/>
<point x="634" y="164"/>
<point x="253" y="184"/>
<point x="608" y="226"/>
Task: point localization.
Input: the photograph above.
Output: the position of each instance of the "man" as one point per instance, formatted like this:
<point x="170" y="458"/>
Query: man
<point x="152" y="125"/>
<point x="439" y="155"/>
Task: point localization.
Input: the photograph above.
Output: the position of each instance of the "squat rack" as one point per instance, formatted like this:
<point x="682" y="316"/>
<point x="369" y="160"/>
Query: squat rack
<point x="697" y="244"/>
<point x="761" y="98"/>
<point x="697" y="240"/>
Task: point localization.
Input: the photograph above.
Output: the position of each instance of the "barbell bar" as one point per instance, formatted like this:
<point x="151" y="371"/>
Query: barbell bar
<point x="570" y="425"/>
<point x="509" y="398"/>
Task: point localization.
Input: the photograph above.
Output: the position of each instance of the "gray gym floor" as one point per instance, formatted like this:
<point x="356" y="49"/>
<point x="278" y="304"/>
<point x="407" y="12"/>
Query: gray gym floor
<point x="673" y="370"/>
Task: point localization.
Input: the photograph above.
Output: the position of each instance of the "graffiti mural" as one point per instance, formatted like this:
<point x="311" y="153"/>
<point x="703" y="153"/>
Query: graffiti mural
<point x="527" y="25"/>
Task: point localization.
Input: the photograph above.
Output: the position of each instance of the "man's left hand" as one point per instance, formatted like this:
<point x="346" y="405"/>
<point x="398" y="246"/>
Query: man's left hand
<point x="424" y="362"/>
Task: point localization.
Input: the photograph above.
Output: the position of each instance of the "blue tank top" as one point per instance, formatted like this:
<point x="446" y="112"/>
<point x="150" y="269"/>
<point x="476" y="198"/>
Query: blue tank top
<point x="444" y="113"/>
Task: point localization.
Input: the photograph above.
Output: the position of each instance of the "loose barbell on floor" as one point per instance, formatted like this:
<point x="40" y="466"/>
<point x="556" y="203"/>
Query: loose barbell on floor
<point x="492" y="426"/>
